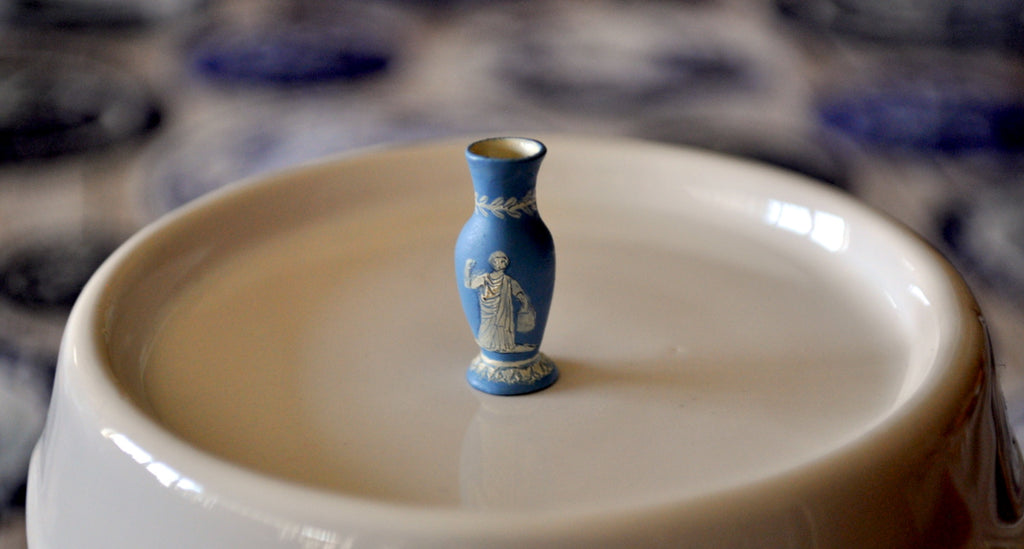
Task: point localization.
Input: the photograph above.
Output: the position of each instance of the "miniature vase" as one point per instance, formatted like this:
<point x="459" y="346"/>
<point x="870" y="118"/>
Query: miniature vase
<point x="505" y="268"/>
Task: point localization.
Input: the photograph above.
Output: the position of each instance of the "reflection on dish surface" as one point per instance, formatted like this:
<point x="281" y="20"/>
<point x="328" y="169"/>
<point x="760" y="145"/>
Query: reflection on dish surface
<point x="825" y="229"/>
<point x="163" y="473"/>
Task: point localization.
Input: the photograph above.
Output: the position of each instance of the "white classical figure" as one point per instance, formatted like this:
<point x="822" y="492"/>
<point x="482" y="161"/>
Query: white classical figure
<point x="498" y="319"/>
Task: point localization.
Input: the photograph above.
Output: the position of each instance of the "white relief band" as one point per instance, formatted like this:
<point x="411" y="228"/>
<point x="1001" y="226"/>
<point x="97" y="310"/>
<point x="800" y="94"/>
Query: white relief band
<point x="513" y="207"/>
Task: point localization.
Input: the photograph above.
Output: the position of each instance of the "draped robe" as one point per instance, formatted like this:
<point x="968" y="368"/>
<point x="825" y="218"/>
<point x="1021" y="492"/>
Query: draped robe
<point x="497" y="330"/>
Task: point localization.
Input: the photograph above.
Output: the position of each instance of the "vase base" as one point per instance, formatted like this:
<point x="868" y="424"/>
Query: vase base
<point x="497" y="377"/>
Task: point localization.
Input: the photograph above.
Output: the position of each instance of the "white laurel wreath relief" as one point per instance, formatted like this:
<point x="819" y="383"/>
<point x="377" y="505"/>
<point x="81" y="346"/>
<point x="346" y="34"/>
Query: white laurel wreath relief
<point x="512" y="207"/>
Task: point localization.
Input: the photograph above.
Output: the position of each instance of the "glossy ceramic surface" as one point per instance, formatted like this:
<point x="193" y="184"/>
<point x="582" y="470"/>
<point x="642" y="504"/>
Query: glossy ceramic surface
<point x="748" y="358"/>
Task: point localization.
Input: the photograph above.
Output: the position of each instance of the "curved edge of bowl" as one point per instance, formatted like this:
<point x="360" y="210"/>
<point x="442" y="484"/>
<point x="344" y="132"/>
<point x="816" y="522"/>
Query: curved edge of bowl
<point x="94" y="421"/>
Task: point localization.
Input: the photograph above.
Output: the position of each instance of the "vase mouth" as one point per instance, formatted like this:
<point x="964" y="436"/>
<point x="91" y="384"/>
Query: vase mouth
<point x="507" y="148"/>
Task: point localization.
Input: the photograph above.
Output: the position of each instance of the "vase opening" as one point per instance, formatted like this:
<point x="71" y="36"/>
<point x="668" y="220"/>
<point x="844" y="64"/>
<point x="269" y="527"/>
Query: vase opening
<point x="507" y="148"/>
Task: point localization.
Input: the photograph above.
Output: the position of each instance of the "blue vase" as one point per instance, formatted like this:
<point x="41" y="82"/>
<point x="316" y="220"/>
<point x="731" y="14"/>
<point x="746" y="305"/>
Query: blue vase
<point x="505" y="268"/>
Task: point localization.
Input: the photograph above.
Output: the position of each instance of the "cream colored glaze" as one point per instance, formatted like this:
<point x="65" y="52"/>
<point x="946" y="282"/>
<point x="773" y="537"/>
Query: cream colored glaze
<point x="786" y="328"/>
<point x="694" y="358"/>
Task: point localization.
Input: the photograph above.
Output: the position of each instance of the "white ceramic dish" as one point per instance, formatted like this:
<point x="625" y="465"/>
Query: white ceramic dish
<point x="748" y="358"/>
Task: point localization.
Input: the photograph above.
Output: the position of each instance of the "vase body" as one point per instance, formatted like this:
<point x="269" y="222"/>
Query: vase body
<point x="505" y="268"/>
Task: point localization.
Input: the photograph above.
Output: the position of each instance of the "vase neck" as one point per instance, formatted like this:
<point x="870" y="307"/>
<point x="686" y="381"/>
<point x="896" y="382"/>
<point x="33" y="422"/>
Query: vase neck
<point x="505" y="167"/>
<point x="501" y="178"/>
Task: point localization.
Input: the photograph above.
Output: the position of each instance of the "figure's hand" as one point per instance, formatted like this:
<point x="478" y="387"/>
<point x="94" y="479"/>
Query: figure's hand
<point x="470" y="263"/>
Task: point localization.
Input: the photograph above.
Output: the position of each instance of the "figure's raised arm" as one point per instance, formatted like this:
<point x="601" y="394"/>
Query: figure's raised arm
<point x="467" y="274"/>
